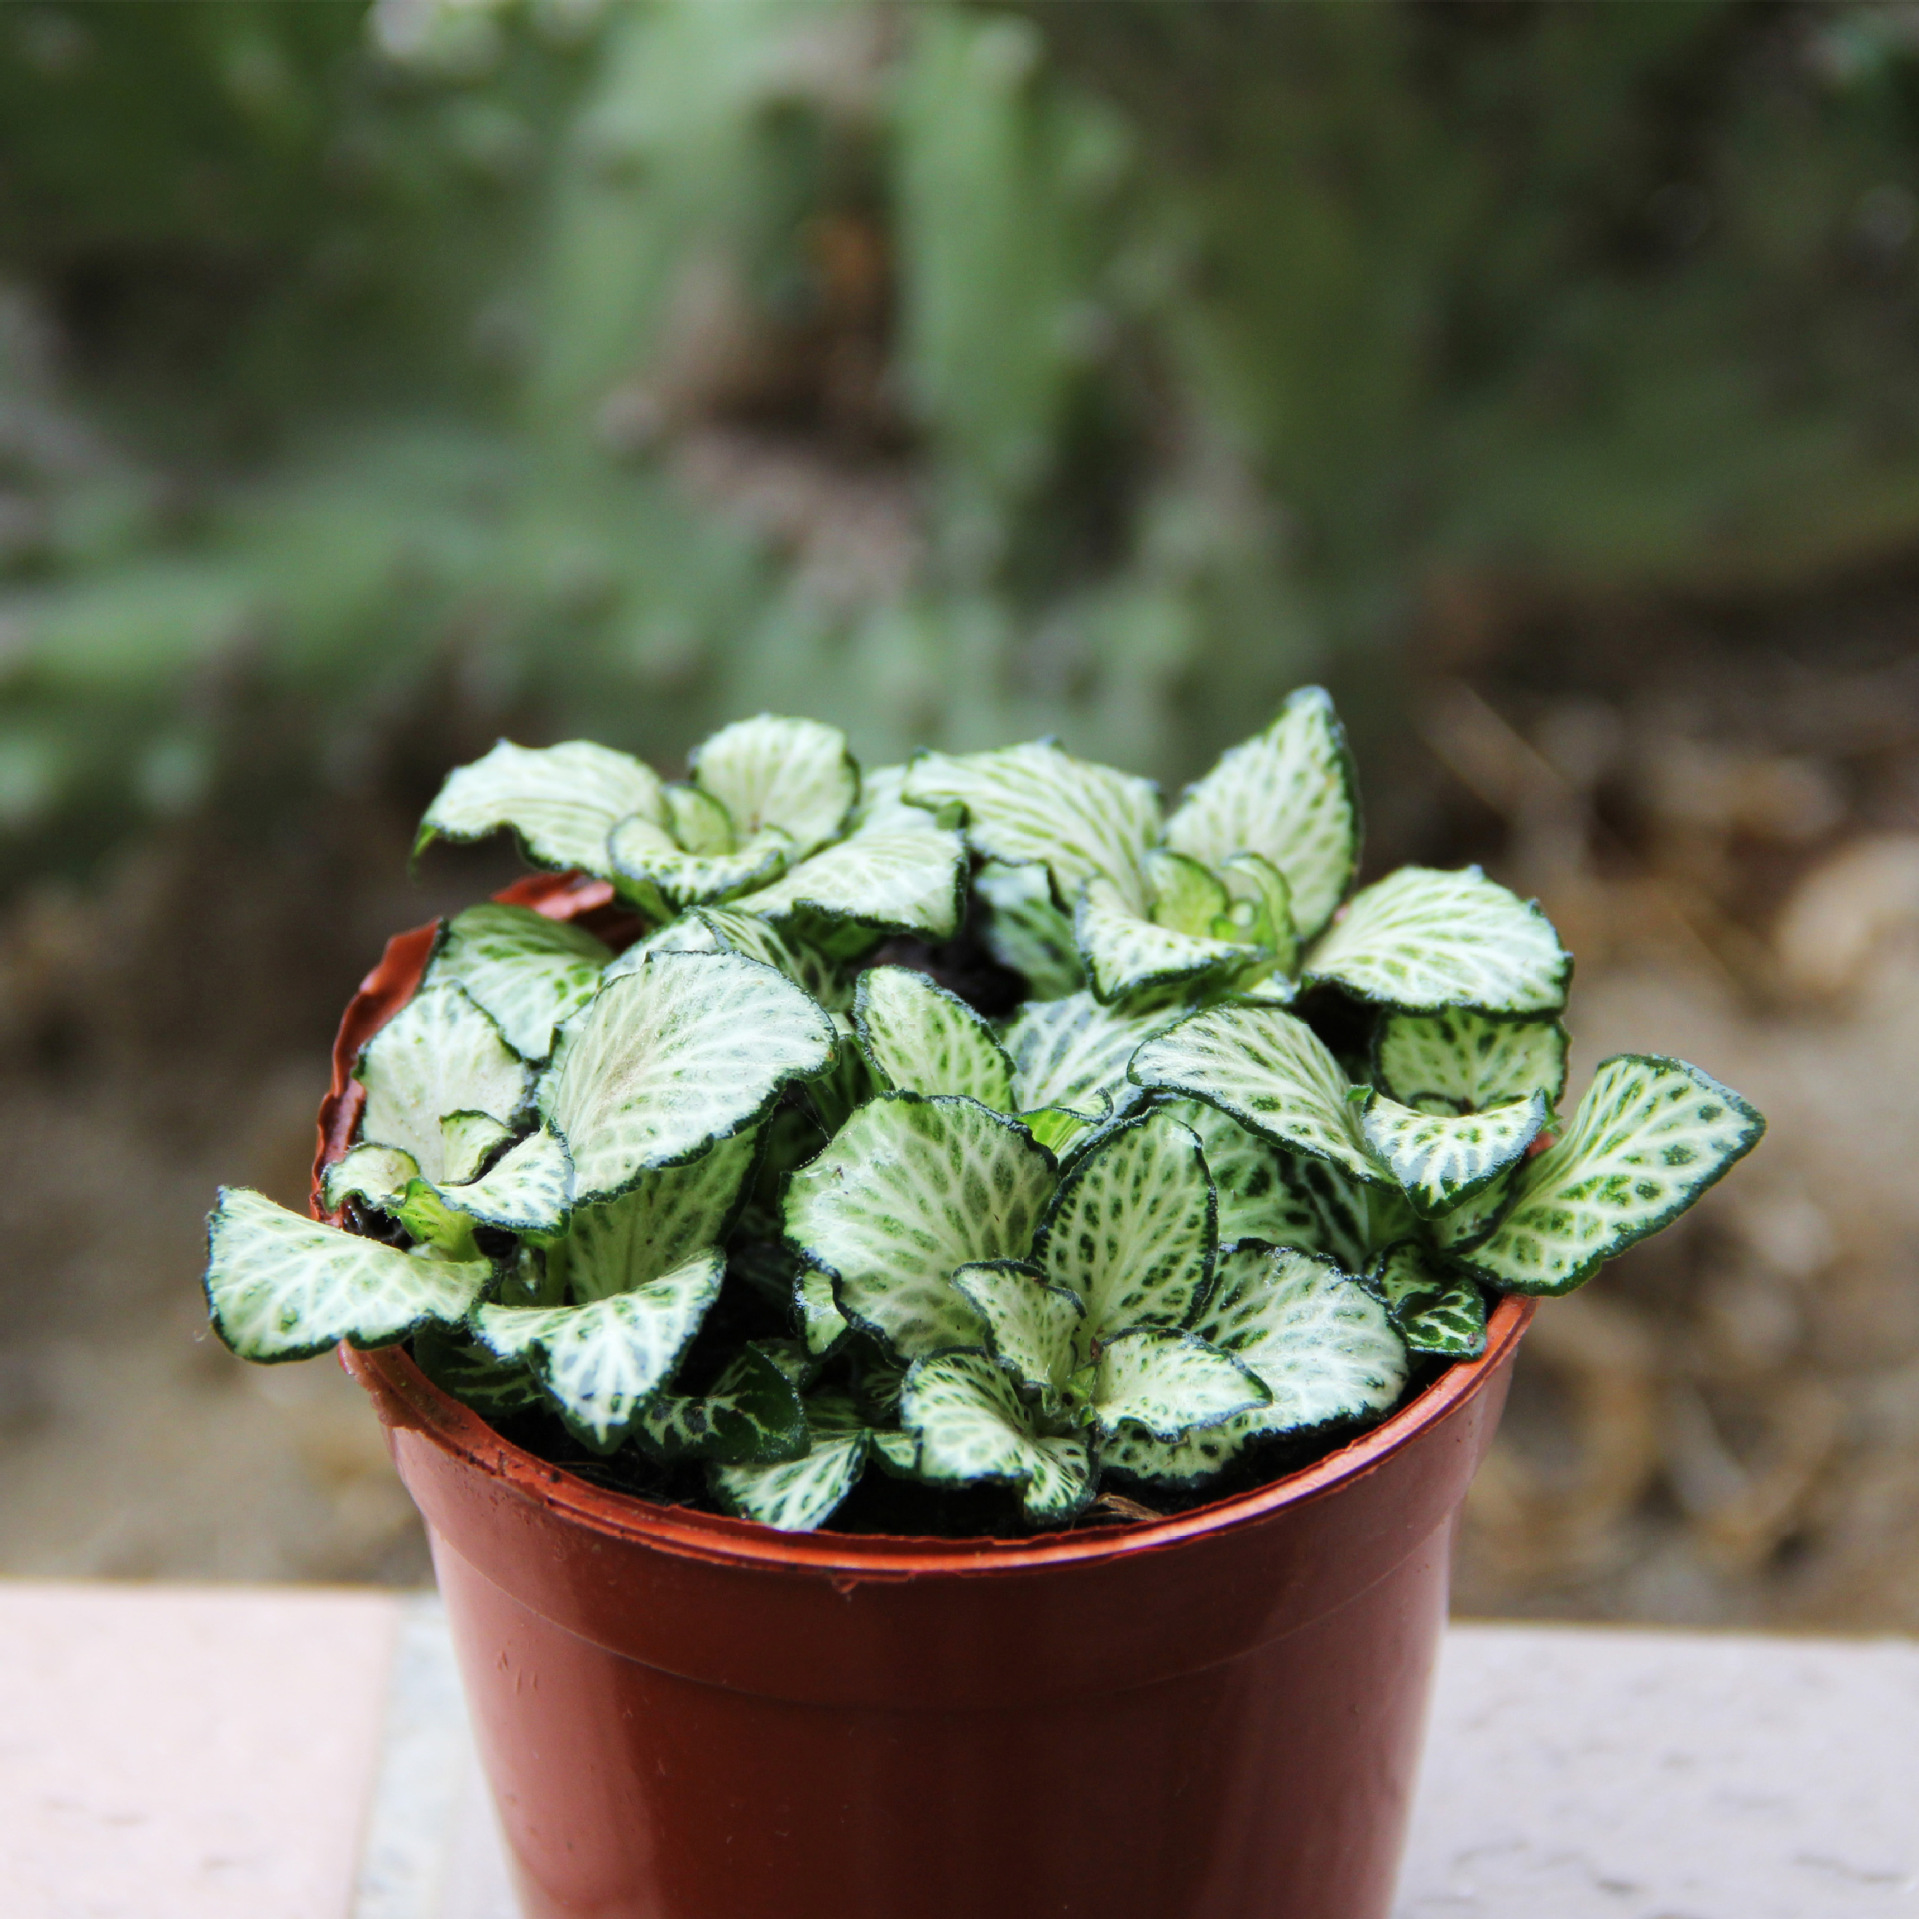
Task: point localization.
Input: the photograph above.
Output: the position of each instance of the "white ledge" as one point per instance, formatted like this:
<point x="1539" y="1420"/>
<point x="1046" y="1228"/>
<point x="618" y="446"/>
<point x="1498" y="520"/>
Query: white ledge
<point x="248" y="1753"/>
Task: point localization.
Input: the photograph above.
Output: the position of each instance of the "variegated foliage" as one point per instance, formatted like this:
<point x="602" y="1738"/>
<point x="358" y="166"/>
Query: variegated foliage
<point x="1149" y="1220"/>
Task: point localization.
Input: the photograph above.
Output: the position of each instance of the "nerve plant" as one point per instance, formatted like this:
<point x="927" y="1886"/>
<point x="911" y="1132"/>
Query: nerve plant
<point x="1244" y="1166"/>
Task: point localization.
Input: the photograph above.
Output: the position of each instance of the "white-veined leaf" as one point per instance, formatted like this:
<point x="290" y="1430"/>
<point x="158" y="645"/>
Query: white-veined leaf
<point x="804" y="1493"/>
<point x="494" y="1388"/>
<point x="378" y="1176"/>
<point x="646" y="856"/>
<point x="1170" y="1383"/>
<point x="751" y="1416"/>
<point x="1032" y="1326"/>
<point x="1423" y="940"/>
<point x="526" y="972"/>
<point x="1290" y="795"/>
<point x="1322" y="1345"/>
<point x="600" y="1362"/>
<point x="971" y="1425"/>
<point x="1034" y="802"/>
<point x="906" y="1193"/>
<point x="660" y="1223"/>
<point x="881" y="803"/>
<point x="468" y="1141"/>
<point x="754" y="938"/>
<point x="562" y="801"/>
<point x="890" y="878"/>
<point x="1266" y="1069"/>
<point x="687" y="1049"/>
<point x="919" y="1038"/>
<point x="1026" y="931"/>
<point x="796" y="775"/>
<point x="822" y="1324"/>
<point x="529" y="1189"/>
<point x="1320" y="1208"/>
<point x="1443" y="1159"/>
<point x="438" y="1055"/>
<point x="1246" y="1171"/>
<point x="1463" y="1062"/>
<point x="280" y="1286"/>
<point x="1435" y="1311"/>
<point x="1465" y="1226"/>
<point x="1131" y="1228"/>
<point x="1125" y="952"/>
<point x="1069" y="1052"/>
<point x="1649" y="1137"/>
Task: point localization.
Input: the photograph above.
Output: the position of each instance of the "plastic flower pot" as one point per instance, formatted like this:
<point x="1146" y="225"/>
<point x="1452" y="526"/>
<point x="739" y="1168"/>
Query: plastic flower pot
<point x="684" y="1716"/>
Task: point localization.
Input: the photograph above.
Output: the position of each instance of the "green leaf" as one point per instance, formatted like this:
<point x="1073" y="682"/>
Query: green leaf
<point x="689" y="1048"/>
<point x="1463" y="1062"/>
<point x="803" y="1493"/>
<point x="528" y="1190"/>
<point x="1260" y="909"/>
<point x="1184" y="897"/>
<point x="1073" y="1053"/>
<point x="795" y="775"/>
<point x="663" y="1221"/>
<point x="562" y="801"/>
<point x="919" y="1038"/>
<point x="910" y="1190"/>
<point x="1266" y="1069"/>
<point x="1034" y="803"/>
<point x="1057" y="1128"/>
<point x="891" y="878"/>
<point x="752" y="1416"/>
<point x="646" y="857"/>
<point x="1323" y="1347"/>
<point x="1435" y="1311"/>
<point x="1170" y="1383"/>
<point x="438" y="1055"/>
<point x="1032" y="1326"/>
<point x="1423" y="940"/>
<point x="1125" y="952"/>
<point x="1290" y="795"/>
<point x="1650" y="1136"/>
<point x="526" y="972"/>
<point x="600" y="1362"/>
<point x="1444" y="1159"/>
<point x="972" y="1425"/>
<point x="1131" y="1228"/>
<point x="280" y="1286"/>
<point x="697" y="821"/>
<point x="1024" y="930"/>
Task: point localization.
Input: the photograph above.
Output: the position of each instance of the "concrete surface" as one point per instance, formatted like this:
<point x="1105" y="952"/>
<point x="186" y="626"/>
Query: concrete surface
<point x="263" y="1753"/>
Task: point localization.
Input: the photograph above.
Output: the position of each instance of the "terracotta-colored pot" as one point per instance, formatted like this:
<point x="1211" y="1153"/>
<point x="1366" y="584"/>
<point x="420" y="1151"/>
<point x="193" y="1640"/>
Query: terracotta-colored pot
<point x="1214" y="1716"/>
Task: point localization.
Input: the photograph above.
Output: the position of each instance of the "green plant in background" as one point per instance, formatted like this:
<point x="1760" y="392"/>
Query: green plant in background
<point x="959" y="372"/>
<point x="752" y="1194"/>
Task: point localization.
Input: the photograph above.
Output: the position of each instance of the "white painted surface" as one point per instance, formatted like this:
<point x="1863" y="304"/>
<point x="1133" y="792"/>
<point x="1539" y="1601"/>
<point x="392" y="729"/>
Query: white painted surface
<point x="171" y="1753"/>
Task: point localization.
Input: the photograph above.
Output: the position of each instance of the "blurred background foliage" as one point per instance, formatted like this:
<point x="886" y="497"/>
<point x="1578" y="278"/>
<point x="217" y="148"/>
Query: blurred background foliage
<point x="955" y="372"/>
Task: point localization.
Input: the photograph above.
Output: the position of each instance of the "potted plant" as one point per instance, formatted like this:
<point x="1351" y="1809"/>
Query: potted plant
<point x="896" y="1450"/>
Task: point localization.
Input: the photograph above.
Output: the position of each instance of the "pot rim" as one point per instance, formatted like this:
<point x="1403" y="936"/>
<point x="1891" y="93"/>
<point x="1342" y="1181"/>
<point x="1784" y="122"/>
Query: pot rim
<point x="456" y="1429"/>
<point x="407" y="1398"/>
